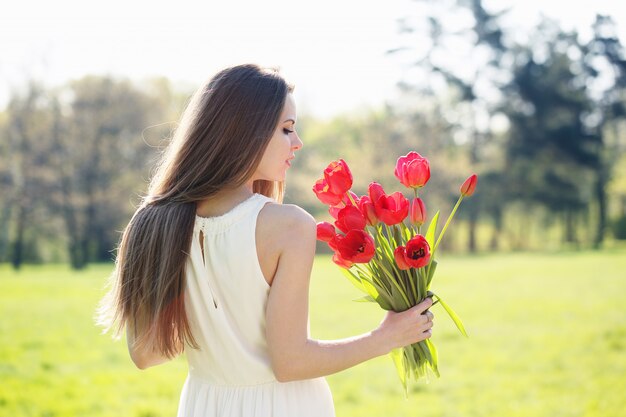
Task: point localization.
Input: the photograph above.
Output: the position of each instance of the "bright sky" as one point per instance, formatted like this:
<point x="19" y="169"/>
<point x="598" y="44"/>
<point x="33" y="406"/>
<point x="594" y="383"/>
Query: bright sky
<point x="333" y="51"/>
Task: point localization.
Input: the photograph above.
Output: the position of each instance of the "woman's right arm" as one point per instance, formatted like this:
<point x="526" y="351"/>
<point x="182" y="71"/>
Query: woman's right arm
<point x="293" y="354"/>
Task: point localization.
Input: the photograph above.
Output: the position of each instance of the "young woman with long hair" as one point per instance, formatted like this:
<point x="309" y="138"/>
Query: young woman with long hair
<point x="214" y="265"/>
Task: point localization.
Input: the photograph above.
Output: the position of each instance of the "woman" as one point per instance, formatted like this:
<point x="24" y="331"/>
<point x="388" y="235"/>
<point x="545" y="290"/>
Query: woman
<point x="214" y="265"/>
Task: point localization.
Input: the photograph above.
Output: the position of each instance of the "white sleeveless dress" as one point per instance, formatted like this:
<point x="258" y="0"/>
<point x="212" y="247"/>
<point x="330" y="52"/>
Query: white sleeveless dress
<point x="226" y="295"/>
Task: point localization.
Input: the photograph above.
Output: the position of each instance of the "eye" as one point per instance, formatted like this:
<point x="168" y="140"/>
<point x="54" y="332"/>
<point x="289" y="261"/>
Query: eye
<point x="287" y="131"/>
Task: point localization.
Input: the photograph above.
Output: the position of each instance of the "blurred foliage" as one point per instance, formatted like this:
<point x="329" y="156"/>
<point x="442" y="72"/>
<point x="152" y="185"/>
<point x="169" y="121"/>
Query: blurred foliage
<point x="563" y="102"/>
<point x="542" y="123"/>
<point x="72" y="164"/>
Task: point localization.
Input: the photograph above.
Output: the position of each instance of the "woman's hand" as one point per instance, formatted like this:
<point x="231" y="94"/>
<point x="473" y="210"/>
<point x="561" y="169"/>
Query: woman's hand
<point x="407" y="327"/>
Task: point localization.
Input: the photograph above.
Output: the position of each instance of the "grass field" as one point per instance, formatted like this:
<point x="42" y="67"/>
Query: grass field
<point x="547" y="338"/>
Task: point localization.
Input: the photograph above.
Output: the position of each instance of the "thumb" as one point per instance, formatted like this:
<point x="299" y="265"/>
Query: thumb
<point x="424" y="305"/>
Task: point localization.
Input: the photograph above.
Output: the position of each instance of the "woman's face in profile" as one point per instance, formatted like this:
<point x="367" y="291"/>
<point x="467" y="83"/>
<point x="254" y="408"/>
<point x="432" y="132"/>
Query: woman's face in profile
<point x="282" y="147"/>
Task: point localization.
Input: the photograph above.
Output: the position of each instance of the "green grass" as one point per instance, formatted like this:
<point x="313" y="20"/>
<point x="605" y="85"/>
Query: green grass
<point x="547" y="338"/>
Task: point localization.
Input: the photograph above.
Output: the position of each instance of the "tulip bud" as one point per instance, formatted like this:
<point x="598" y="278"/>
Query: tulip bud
<point x="468" y="187"/>
<point x="325" y="231"/>
<point x="375" y="191"/>
<point x="413" y="170"/>
<point x="418" y="212"/>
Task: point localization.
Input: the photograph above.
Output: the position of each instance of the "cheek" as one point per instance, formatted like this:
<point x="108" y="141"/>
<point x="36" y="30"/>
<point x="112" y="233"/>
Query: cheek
<point x="279" y="147"/>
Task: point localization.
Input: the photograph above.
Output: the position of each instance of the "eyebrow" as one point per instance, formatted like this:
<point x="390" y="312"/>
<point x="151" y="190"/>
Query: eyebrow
<point x="290" y="120"/>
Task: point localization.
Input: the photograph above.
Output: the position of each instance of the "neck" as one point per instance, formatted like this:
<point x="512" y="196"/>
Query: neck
<point x="223" y="201"/>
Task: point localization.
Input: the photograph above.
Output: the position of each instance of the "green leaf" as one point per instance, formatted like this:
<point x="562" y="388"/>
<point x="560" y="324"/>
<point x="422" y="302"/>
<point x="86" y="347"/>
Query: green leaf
<point x="455" y="318"/>
<point x="397" y="235"/>
<point x="432" y="228"/>
<point x="384" y="299"/>
<point x="356" y="281"/>
<point x="400" y="299"/>
<point x="369" y="288"/>
<point x="385" y="245"/>
<point x="406" y="232"/>
<point x="397" y="355"/>
<point x="421" y="347"/>
<point x="365" y="299"/>
<point x="434" y="356"/>
<point x="431" y="272"/>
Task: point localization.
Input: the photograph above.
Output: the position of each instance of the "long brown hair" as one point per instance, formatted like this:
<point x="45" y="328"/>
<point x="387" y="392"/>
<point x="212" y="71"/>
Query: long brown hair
<point x="219" y="143"/>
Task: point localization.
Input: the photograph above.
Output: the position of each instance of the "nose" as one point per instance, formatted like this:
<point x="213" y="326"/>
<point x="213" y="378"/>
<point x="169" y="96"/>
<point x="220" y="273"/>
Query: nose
<point x="296" y="142"/>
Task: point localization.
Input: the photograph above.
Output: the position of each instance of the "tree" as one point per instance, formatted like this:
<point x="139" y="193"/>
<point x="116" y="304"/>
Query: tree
<point x="25" y="173"/>
<point x="557" y="149"/>
<point x="98" y="143"/>
<point x="474" y="84"/>
<point x="70" y="159"/>
<point x="605" y="62"/>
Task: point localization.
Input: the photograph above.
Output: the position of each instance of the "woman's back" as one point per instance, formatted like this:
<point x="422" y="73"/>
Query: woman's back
<point x="226" y="296"/>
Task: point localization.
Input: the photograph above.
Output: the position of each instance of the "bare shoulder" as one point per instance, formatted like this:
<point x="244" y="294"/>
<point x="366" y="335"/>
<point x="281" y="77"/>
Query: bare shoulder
<point x="286" y="222"/>
<point x="283" y="229"/>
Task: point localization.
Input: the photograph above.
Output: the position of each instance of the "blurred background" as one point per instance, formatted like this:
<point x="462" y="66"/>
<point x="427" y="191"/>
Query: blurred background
<point x="529" y="95"/>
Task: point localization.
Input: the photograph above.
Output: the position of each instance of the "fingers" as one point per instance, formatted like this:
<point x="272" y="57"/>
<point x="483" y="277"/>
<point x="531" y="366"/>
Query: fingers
<point x="429" y="316"/>
<point x="426" y="325"/>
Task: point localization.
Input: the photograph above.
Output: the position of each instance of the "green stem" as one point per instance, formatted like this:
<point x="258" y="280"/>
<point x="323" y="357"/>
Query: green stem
<point x="414" y="277"/>
<point x="351" y="199"/>
<point x="417" y="229"/>
<point x="393" y="279"/>
<point x="445" y="227"/>
<point x="380" y="263"/>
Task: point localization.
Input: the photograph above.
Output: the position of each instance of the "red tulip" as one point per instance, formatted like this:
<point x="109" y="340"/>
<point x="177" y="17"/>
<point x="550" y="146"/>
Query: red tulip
<point x="324" y="194"/>
<point x="400" y="254"/>
<point x="418" y="212"/>
<point x="341" y="262"/>
<point x="375" y="191"/>
<point x="413" y="170"/>
<point x="338" y="177"/>
<point x="332" y="243"/>
<point x="468" y="187"/>
<point x="392" y="209"/>
<point x="350" y="218"/>
<point x="417" y="252"/>
<point x="356" y="247"/>
<point x="345" y="201"/>
<point x="325" y="231"/>
<point x="367" y="209"/>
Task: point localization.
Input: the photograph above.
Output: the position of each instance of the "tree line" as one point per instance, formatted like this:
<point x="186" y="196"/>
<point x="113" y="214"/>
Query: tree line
<point x="541" y="122"/>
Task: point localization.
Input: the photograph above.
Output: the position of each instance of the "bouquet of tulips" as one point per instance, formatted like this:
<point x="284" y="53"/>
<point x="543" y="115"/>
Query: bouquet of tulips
<point x="381" y="248"/>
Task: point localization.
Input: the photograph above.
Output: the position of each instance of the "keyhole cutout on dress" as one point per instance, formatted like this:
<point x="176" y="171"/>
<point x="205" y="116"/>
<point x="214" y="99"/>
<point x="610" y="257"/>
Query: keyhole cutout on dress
<point x="202" y="246"/>
<point x="201" y="236"/>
